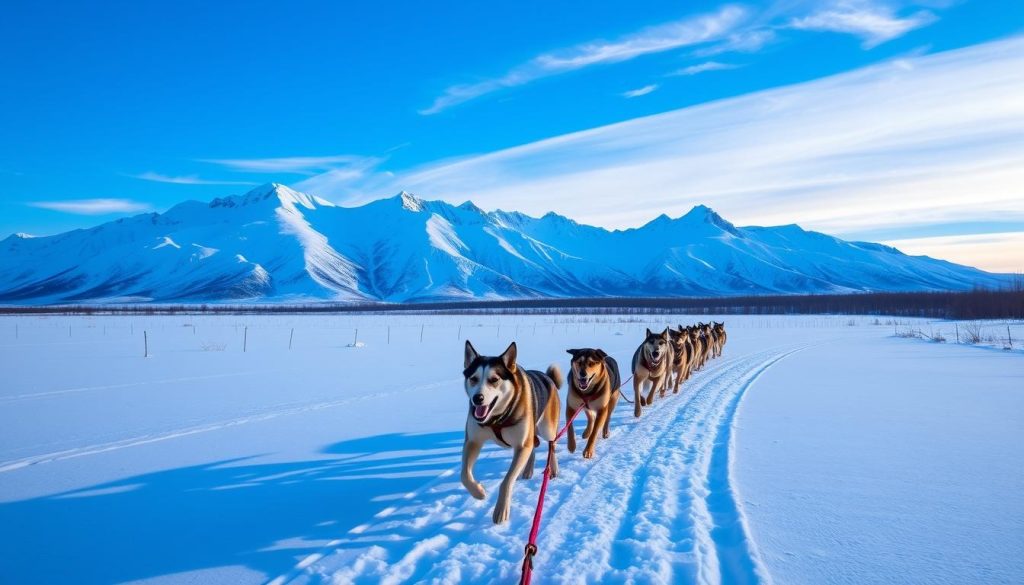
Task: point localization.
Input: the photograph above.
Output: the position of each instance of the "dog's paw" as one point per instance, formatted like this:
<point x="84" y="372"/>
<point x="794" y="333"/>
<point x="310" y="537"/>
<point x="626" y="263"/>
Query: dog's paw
<point x="588" y="453"/>
<point x="528" y="472"/>
<point x="636" y="411"/>
<point x="476" y="489"/>
<point x="500" y="515"/>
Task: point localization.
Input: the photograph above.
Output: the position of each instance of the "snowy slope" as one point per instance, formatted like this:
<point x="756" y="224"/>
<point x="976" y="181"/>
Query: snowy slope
<point x="274" y="243"/>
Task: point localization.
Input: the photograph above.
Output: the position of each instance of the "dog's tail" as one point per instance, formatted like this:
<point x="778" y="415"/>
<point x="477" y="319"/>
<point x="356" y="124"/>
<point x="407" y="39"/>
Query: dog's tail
<point x="556" y="375"/>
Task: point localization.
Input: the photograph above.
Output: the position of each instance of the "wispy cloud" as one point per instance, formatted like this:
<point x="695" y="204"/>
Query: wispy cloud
<point x="92" y="206"/>
<point x="354" y="165"/>
<point x="656" y="39"/>
<point x="186" y="180"/>
<point x="640" y="91"/>
<point x="703" y="67"/>
<point x="884" y="146"/>
<point x="874" y="23"/>
<point x="744" y="41"/>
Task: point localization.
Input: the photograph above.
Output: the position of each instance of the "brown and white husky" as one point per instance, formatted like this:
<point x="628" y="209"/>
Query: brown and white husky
<point x="594" y="377"/>
<point x="651" y="365"/>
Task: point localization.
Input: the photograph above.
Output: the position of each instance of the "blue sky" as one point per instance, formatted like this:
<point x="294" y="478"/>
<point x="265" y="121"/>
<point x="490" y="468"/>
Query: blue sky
<point x="117" y="108"/>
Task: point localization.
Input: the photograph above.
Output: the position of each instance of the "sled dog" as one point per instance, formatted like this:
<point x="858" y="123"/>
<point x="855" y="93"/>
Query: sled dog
<point x="513" y="407"/>
<point x="594" y="377"/>
<point x="651" y="363"/>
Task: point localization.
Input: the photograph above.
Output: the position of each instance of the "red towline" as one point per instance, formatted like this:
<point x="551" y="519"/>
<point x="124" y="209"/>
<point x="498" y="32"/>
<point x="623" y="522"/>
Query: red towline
<point x="531" y="544"/>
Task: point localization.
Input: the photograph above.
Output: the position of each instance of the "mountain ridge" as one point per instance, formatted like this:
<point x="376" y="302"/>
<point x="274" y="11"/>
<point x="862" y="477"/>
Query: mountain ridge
<point x="277" y="244"/>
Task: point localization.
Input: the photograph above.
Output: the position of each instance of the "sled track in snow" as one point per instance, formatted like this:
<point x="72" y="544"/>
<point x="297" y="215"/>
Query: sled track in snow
<point x="656" y="505"/>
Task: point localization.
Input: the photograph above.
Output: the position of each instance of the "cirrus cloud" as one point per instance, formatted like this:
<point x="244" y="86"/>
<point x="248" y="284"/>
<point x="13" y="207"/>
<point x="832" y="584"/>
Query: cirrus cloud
<point x="873" y="23"/>
<point x="92" y="206"/>
<point x="185" y="180"/>
<point x="656" y="39"/>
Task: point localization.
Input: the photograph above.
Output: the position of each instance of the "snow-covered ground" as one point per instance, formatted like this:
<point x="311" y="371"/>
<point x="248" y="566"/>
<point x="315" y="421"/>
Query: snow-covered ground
<point x="815" y="450"/>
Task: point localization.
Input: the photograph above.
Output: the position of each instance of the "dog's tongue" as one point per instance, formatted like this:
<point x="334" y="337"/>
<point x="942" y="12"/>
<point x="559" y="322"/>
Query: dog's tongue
<point x="480" y="411"/>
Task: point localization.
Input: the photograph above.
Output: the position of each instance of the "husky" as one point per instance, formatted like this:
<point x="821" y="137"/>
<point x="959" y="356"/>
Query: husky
<point x="682" y="353"/>
<point x="709" y="342"/>
<point x="697" y="338"/>
<point x="593" y="376"/>
<point x="651" y="363"/>
<point x="720" y="337"/>
<point x="513" y="407"/>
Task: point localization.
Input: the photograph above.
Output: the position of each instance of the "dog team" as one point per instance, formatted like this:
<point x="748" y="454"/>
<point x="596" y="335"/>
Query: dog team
<point x="517" y="408"/>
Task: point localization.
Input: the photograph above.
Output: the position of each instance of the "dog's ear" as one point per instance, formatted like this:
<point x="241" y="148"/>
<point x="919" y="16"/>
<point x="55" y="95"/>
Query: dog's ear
<point x="664" y="334"/>
<point x="572" y="352"/>
<point x="601" y="354"/>
<point x="649" y="332"/>
<point x="509" y="357"/>
<point x="471" y="354"/>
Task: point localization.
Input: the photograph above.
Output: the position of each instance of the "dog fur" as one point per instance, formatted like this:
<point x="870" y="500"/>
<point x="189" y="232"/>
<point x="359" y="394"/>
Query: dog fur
<point x="720" y="338"/>
<point x="513" y="407"/>
<point x="682" y="354"/>
<point x="593" y="375"/>
<point x="651" y="365"/>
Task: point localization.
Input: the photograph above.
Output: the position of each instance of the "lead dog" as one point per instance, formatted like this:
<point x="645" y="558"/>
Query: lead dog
<point x="512" y="407"/>
<point x="651" y="364"/>
<point x="593" y="376"/>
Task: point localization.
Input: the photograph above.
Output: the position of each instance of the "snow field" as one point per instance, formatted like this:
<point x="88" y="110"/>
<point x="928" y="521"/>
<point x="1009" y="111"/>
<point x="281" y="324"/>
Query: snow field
<point x="339" y="464"/>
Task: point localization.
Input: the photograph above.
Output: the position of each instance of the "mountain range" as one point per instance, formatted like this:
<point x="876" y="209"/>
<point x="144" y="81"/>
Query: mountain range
<point x="276" y="244"/>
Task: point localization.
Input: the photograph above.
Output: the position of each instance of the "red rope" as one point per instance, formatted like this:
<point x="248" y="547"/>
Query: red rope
<point x="531" y="545"/>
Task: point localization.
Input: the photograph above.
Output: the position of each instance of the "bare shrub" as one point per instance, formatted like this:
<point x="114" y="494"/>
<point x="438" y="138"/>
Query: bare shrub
<point x="212" y="346"/>
<point x="972" y="333"/>
<point x="909" y="333"/>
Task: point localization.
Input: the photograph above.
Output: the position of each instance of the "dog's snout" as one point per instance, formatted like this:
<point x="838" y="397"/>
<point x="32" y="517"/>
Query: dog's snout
<point x="478" y="399"/>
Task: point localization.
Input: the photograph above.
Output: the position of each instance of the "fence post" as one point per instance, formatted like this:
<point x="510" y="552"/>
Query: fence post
<point x="389" y="334"/>
<point x="145" y="343"/>
<point x="421" y="332"/>
<point x="245" y="339"/>
<point x="291" y="336"/>
<point x="1009" y="337"/>
<point x="355" y="340"/>
<point x="957" y="326"/>
<point x="460" y="332"/>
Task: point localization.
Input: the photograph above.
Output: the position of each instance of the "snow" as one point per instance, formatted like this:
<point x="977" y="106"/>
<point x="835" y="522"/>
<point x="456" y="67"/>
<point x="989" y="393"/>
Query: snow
<point x="924" y="473"/>
<point x="815" y="450"/>
<point x="408" y="249"/>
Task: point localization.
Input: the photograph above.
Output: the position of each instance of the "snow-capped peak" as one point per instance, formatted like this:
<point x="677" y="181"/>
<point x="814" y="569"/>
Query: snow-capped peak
<point x="410" y="201"/>
<point x="274" y="194"/>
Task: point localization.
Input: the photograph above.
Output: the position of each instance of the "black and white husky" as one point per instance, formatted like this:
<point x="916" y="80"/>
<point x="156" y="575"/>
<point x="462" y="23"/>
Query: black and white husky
<point x="513" y="407"/>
